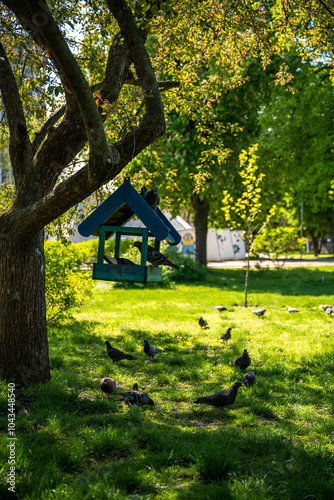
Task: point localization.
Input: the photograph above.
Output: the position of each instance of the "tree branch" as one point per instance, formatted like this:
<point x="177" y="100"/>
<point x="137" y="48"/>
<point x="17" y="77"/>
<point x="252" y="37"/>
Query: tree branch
<point x="19" y="146"/>
<point x="75" y="82"/>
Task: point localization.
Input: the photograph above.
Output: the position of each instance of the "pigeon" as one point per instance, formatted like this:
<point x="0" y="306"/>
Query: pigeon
<point x="108" y="385"/>
<point x="152" y="197"/>
<point x="259" y="312"/>
<point x="220" y="308"/>
<point x="202" y="323"/>
<point x="115" y="354"/>
<point x="323" y="279"/>
<point x="249" y="378"/>
<point x="292" y="310"/>
<point x="135" y="396"/>
<point x="156" y="258"/>
<point x="324" y="306"/>
<point x="243" y="361"/>
<point x="150" y="350"/>
<point x="221" y="399"/>
<point x="329" y="310"/>
<point x="226" y="336"/>
<point x="118" y="261"/>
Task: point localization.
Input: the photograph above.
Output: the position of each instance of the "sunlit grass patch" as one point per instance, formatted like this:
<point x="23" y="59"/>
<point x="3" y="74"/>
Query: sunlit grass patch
<point x="274" y="442"/>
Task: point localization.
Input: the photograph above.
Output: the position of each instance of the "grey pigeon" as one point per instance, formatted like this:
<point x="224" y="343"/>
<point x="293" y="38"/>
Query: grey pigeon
<point x="154" y="257"/>
<point x="115" y="354"/>
<point x="152" y="197"/>
<point x="259" y="312"/>
<point x="243" y="361"/>
<point x="220" y="308"/>
<point x="108" y="385"/>
<point x="249" y="378"/>
<point x="329" y="310"/>
<point x="226" y="335"/>
<point x="118" y="261"/>
<point x="223" y="398"/>
<point x="323" y="279"/>
<point x="292" y="310"/>
<point x="202" y="323"/>
<point x="136" y="397"/>
<point x="150" y="350"/>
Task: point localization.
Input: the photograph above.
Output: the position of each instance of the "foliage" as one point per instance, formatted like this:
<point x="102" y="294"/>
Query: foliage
<point x="190" y="271"/>
<point x="276" y="242"/>
<point x="66" y="286"/>
<point x="7" y="194"/>
<point x="83" y="445"/>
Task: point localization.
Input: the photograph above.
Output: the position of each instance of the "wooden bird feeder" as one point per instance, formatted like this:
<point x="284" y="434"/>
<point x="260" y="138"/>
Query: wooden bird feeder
<point x="109" y="219"/>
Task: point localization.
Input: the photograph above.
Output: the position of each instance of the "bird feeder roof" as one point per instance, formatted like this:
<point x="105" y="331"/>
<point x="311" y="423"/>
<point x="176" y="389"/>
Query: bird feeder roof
<point x="124" y="204"/>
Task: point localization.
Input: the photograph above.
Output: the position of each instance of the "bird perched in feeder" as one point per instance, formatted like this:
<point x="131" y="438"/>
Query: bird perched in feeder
<point x="226" y="335"/>
<point x="292" y="310"/>
<point x="221" y="399"/>
<point x="259" y="312"/>
<point x="202" y="323"/>
<point x="150" y="350"/>
<point x="154" y="257"/>
<point x="118" y="261"/>
<point x="249" y="378"/>
<point x="136" y="397"/>
<point x="220" y="308"/>
<point x="242" y="361"/>
<point x="152" y="197"/>
<point x="115" y="354"/>
<point x="108" y="385"/>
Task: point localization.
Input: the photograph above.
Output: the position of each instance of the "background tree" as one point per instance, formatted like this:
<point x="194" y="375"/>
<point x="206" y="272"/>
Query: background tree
<point x="247" y="210"/>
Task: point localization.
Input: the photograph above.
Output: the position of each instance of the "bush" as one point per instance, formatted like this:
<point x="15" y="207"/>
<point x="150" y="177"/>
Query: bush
<point x="189" y="270"/>
<point x="276" y="243"/>
<point x="66" y="286"/>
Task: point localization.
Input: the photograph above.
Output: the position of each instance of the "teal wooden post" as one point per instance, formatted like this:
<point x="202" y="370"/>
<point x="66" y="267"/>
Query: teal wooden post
<point x="117" y="244"/>
<point x="102" y="239"/>
<point x="144" y="248"/>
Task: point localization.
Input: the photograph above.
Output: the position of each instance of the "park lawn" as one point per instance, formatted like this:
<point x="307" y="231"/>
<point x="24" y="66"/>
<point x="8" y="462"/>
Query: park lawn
<point x="275" y="442"/>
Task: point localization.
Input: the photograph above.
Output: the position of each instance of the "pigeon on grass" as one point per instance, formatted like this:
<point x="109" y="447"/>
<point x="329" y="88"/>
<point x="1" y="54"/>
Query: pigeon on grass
<point x="292" y="310"/>
<point x="115" y="354"/>
<point x="242" y="361"/>
<point x="108" y="385"/>
<point x="324" y="306"/>
<point x="136" y="397"/>
<point x="259" y="312"/>
<point x="202" y="323"/>
<point x="249" y="378"/>
<point x="154" y="257"/>
<point x="150" y="350"/>
<point x="329" y="310"/>
<point x="226" y="335"/>
<point x="220" y="308"/>
<point x="221" y="399"/>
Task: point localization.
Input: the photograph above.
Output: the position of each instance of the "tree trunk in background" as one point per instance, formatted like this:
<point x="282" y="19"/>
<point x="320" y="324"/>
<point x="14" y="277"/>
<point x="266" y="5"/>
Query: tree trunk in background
<point x="201" y="211"/>
<point x="23" y="311"/>
<point x="315" y="243"/>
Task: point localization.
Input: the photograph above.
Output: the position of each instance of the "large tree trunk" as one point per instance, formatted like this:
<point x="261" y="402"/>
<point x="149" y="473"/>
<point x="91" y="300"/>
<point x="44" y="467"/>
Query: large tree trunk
<point x="23" y="311"/>
<point x="201" y="211"/>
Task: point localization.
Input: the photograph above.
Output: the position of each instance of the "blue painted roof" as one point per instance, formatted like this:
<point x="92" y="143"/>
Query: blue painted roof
<point x="121" y="206"/>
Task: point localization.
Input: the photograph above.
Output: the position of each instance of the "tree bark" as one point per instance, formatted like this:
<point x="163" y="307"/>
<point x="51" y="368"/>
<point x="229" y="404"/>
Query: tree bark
<point x="201" y="210"/>
<point x="24" y="345"/>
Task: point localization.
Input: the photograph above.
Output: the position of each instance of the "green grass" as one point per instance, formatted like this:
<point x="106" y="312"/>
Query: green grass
<point x="275" y="442"/>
